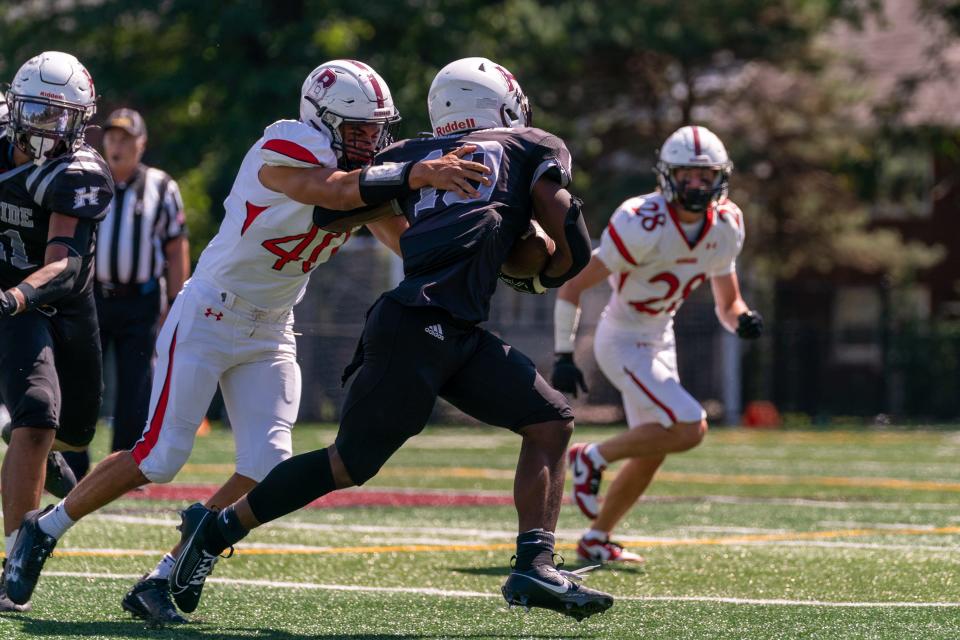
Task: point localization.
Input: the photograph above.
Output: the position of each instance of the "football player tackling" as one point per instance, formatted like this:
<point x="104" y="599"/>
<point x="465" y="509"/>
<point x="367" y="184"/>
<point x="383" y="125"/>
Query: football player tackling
<point x="232" y="324"/>
<point x="655" y="251"/>
<point x="422" y="339"/>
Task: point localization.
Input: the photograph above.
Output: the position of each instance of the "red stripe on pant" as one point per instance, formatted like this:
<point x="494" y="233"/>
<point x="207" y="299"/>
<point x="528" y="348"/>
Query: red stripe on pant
<point x="656" y="401"/>
<point x="149" y="439"/>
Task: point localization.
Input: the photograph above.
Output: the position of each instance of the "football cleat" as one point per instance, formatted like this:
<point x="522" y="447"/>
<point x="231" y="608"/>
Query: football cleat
<point x="30" y="551"/>
<point x="547" y="587"/>
<point x="150" y="600"/>
<point x="603" y="551"/>
<point x="586" y="481"/>
<point x="194" y="563"/>
<point x="60" y="477"/>
<point x="6" y="604"/>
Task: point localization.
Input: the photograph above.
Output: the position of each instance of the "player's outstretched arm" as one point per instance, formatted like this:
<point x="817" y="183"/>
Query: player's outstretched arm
<point x="338" y="190"/>
<point x="733" y="313"/>
<point x="68" y="239"/>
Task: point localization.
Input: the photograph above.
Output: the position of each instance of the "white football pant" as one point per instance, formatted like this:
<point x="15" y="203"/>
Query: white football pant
<point x="211" y="336"/>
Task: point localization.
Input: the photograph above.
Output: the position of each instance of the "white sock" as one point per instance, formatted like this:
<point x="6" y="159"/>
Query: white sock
<point x="596" y="534"/>
<point x="56" y="522"/>
<point x="9" y="541"/>
<point x="594" y="454"/>
<point x="163" y="568"/>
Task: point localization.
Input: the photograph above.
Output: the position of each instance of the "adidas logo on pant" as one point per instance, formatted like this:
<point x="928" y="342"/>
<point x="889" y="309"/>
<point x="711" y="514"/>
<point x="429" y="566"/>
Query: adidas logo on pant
<point x="435" y="330"/>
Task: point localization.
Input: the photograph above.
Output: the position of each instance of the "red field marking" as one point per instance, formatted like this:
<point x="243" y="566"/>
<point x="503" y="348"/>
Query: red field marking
<point x="345" y="498"/>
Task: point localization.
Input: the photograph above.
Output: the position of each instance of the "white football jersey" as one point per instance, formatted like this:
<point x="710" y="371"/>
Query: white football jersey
<point x="654" y="267"/>
<point x="267" y="244"/>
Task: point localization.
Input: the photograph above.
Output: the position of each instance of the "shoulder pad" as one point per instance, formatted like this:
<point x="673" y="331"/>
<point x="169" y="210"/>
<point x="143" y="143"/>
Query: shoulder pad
<point x="291" y="143"/>
<point x="553" y="157"/>
<point x="632" y="232"/>
<point x="730" y="216"/>
<point x="78" y="185"/>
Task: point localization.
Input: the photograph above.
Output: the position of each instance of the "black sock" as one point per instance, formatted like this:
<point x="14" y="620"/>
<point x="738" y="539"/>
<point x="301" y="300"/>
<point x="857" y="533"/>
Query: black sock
<point x="79" y="462"/>
<point x="229" y="526"/>
<point x="222" y="531"/>
<point x="292" y="485"/>
<point x="534" y="548"/>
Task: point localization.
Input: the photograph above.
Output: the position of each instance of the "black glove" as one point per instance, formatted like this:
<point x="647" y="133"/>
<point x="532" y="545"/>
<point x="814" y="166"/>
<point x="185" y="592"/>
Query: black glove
<point x="524" y="285"/>
<point x="8" y="304"/>
<point x="750" y="325"/>
<point x="566" y="376"/>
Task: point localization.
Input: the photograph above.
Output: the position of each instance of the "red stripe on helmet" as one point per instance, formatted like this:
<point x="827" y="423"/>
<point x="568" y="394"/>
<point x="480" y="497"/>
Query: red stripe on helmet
<point x="696" y="141"/>
<point x="376" y="89"/>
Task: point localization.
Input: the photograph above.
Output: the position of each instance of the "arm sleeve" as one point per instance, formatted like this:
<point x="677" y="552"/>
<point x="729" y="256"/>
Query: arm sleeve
<point x="625" y="241"/>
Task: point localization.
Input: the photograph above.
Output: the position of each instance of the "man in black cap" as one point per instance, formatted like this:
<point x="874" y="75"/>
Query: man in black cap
<point x="142" y="262"/>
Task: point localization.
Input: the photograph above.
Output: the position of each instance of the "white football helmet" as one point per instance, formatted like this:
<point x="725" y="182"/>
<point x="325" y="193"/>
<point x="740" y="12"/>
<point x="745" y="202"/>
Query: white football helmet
<point x="51" y="100"/>
<point x="348" y="92"/>
<point x="693" y="146"/>
<point x="4" y="111"/>
<point x="476" y="93"/>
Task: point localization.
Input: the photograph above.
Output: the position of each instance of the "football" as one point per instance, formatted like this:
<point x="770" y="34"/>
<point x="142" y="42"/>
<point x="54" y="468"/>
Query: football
<point x="529" y="254"/>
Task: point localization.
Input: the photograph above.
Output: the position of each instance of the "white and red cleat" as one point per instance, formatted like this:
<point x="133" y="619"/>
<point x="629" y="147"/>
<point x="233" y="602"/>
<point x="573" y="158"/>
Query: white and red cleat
<point x="604" y="550"/>
<point x="586" y="481"/>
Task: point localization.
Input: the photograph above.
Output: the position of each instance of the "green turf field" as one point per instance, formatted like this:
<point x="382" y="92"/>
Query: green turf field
<point x="752" y="535"/>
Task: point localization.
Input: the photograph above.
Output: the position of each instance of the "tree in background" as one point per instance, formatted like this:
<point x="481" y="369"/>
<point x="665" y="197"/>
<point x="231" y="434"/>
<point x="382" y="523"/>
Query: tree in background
<point x="614" y="79"/>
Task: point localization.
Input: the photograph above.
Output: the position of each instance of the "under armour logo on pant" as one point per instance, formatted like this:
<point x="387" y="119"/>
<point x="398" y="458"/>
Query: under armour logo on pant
<point x="217" y="315"/>
<point x="435" y="330"/>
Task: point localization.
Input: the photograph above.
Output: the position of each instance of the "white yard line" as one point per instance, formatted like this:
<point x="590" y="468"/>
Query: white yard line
<point x="456" y="536"/>
<point x="310" y="586"/>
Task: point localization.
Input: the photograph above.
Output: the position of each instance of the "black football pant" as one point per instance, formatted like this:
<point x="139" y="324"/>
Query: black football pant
<point x="130" y="325"/>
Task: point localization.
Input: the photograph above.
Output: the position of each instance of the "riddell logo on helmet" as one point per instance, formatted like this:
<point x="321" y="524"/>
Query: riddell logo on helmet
<point x="49" y="94"/>
<point x="456" y="125"/>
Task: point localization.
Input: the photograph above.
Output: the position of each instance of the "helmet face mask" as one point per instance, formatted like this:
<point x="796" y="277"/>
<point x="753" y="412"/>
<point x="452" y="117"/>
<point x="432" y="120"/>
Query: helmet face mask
<point x="693" y="147"/>
<point x="51" y="100"/>
<point x="345" y="98"/>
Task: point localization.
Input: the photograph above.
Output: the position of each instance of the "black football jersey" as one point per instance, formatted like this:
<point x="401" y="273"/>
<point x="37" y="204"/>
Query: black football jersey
<point x="454" y="247"/>
<point x="76" y="184"/>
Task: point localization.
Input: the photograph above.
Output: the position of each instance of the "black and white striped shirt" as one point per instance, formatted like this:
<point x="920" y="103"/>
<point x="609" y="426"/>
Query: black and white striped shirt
<point x="146" y="212"/>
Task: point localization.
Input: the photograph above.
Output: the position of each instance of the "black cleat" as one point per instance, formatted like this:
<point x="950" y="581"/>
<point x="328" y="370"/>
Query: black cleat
<point x="60" y="477"/>
<point x="150" y="600"/>
<point x="194" y="563"/>
<point x="31" y="550"/>
<point x="547" y="587"/>
<point x="6" y="604"/>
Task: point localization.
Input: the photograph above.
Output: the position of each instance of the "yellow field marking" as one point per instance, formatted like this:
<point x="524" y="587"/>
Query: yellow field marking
<point x="823" y="481"/>
<point x="507" y="546"/>
<point x="668" y="476"/>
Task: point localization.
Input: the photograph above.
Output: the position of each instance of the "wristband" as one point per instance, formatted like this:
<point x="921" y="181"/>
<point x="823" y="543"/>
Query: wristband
<point x="566" y="318"/>
<point x="29" y="296"/>
<point x="385" y="182"/>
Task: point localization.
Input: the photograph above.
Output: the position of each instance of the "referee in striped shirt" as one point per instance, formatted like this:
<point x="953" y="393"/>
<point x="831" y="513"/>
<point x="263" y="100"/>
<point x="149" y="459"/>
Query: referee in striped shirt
<point x="142" y="261"/>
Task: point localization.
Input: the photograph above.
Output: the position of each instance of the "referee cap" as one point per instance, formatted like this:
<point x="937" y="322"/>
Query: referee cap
<point x="128" y="120"/>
